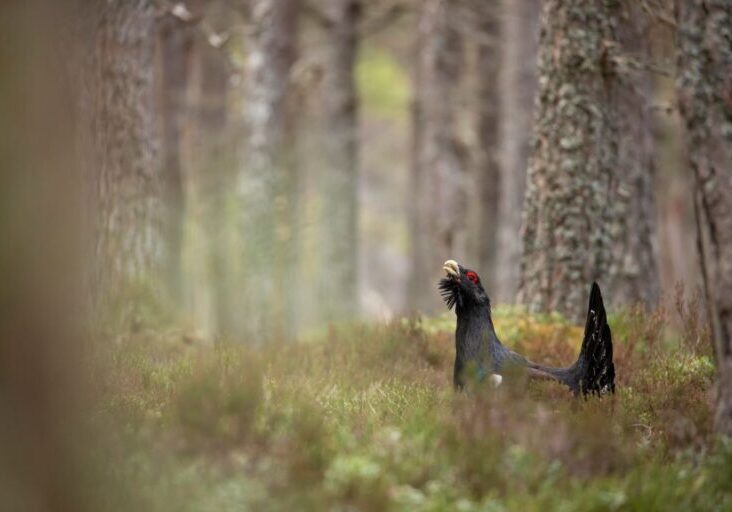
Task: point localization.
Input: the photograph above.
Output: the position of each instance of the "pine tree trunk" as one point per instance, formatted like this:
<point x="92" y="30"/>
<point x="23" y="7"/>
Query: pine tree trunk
<point x="129" y="233"/>
<point x="210" y="163"/>
<point x="635" y="272"/>
<point x="43" y="366"/>
<point x="438" y="191"/>
<point x="175" y="44"/>
<point x="339" y="285"/>
<point x="519" y="47"/>
<point x="704" y="40"/>
<point x="567" y="220"/>
<point x="268" y="182"/>
<point x="487" y="25"/>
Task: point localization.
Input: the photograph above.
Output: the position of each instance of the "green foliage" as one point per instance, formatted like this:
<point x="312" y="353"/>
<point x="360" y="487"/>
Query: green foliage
<point x="139" y="306"/>
<point x="382" y="84"/>
<point x="363" y="417"/>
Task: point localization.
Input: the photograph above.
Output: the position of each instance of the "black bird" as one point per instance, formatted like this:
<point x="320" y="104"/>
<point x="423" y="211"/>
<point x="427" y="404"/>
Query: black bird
<point x="478" y="346"/>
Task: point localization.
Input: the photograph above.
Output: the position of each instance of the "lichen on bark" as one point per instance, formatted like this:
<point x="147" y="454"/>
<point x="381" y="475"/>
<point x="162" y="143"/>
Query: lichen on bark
<point x="704" y="85"/>
<point x="567" y="216"/>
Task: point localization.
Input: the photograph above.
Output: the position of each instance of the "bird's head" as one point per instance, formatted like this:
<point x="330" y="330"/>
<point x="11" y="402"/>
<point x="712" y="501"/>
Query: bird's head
<point x="461" y="287"/>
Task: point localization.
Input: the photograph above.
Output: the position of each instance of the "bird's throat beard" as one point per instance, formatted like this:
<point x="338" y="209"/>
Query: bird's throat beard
<point x="450" y="292"/>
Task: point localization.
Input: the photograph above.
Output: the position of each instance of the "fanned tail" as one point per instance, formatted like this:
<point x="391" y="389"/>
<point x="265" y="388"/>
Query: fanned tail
<point x="594" y="370"/>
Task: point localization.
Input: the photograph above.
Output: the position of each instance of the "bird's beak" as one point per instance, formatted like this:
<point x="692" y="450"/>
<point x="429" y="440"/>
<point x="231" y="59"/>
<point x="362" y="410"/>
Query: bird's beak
<point x="451" y="268"/>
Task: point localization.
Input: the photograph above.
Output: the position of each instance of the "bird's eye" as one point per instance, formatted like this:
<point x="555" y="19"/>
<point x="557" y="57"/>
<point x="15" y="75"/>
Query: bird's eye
<point x="473" y="277"/>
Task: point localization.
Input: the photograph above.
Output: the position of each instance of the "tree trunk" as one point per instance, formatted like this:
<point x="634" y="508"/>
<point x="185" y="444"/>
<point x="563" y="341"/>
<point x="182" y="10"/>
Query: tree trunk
<point x="705" y="95"/>
<point x="44" y="372"/>
<point x="129" y="231"/>
<point x="488" y="178"/>
<point x="175" y="43"/>
<point x="268" y="184"/>
<point x="568" y="220"/>
<point x="635" y="273"/>
<point x="519" y="47"/>
<point x="438" y="192"/>
<point x="339" y="285"/>
<point x="210" y="165"/>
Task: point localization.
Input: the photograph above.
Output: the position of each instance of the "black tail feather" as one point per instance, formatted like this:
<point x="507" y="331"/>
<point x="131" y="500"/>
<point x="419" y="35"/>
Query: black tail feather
<point x="594" y="371"/>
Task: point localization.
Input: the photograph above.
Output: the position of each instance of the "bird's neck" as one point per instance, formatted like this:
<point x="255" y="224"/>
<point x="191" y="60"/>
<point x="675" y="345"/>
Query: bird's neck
<point x="474" y="328"/>
<point x="474" y="313"/>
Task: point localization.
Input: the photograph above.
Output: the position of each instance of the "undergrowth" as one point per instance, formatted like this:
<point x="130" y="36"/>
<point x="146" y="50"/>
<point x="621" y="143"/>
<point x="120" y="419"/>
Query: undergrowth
<point x="365" y="418"/>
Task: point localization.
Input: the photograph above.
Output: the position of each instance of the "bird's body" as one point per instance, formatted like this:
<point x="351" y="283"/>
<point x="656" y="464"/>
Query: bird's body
<point x="476" y="341"/>
<point x="477" y="345"/>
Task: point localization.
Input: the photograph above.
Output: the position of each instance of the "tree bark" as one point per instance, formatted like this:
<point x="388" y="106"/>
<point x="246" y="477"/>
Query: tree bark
<point x="438" y="191"/>
<point x="175" y="44"/>
<point x="129" y="231"/>
<point x="487" y="25"/>
<point x="519" y="49"/>
<point x="567" y="220"/>
<point x="216" y="178"/>
<point x="44" y="377"/>
<point x="210" y="164"/>
<point x="268" y="185"/>
<point x="635" y="271"/>
<point x="704" y="83"/>
<point x="339" y="285"/>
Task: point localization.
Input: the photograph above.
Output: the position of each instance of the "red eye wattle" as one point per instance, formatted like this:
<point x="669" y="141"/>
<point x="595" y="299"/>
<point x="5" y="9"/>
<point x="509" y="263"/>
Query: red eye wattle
<point x="472" y="276"/>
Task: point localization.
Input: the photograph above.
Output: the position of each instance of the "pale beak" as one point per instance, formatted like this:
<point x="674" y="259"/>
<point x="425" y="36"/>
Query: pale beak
<point x="451" y="268"/>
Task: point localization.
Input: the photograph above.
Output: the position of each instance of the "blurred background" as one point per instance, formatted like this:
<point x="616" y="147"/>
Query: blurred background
<point x="276" y="165"/>
<point x="400" y="135"/>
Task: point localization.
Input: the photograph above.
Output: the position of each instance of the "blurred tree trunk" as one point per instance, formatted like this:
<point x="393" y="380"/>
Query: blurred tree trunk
<point x="269" y="183"/>
<point x="438" y="187"/>
<point x="418" y="241"/>
<point x="340" y="181"/>
<point x="487" y="25"/>
<point x="210" y="163"/>
<point x="635" y="273"/>
<point x="175" y="43"/>
<point x="215" y="165"/>
<point x="519" y="46"/>
<point x="568" y="219"/>
<point x="129" y="233"/>
<point x="42" y="372"/>
<point x="705" y="95"/>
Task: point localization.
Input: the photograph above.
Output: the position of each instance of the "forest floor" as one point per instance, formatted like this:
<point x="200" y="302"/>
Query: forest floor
<point x="364" y="417"/>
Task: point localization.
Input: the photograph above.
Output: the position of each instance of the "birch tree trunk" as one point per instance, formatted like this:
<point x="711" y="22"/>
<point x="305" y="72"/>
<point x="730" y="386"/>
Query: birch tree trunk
<point x="438" y="181"/>
<point x="339" y="284"/>
<point x="567" y="222"/>
<point x="519" y="47"/>
<point x="704" y="41"/>
<point x="266" y="190"/>
<point x="129" y="231"/>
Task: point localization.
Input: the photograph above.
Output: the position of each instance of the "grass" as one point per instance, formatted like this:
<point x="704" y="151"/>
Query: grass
<point x="365" y="418"/>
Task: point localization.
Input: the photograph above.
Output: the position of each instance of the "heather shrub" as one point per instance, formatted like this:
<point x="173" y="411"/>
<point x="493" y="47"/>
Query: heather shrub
<point x="363" y="417"/>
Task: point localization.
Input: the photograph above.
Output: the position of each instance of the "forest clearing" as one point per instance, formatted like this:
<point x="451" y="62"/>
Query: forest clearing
<point x="364" y="418"/>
